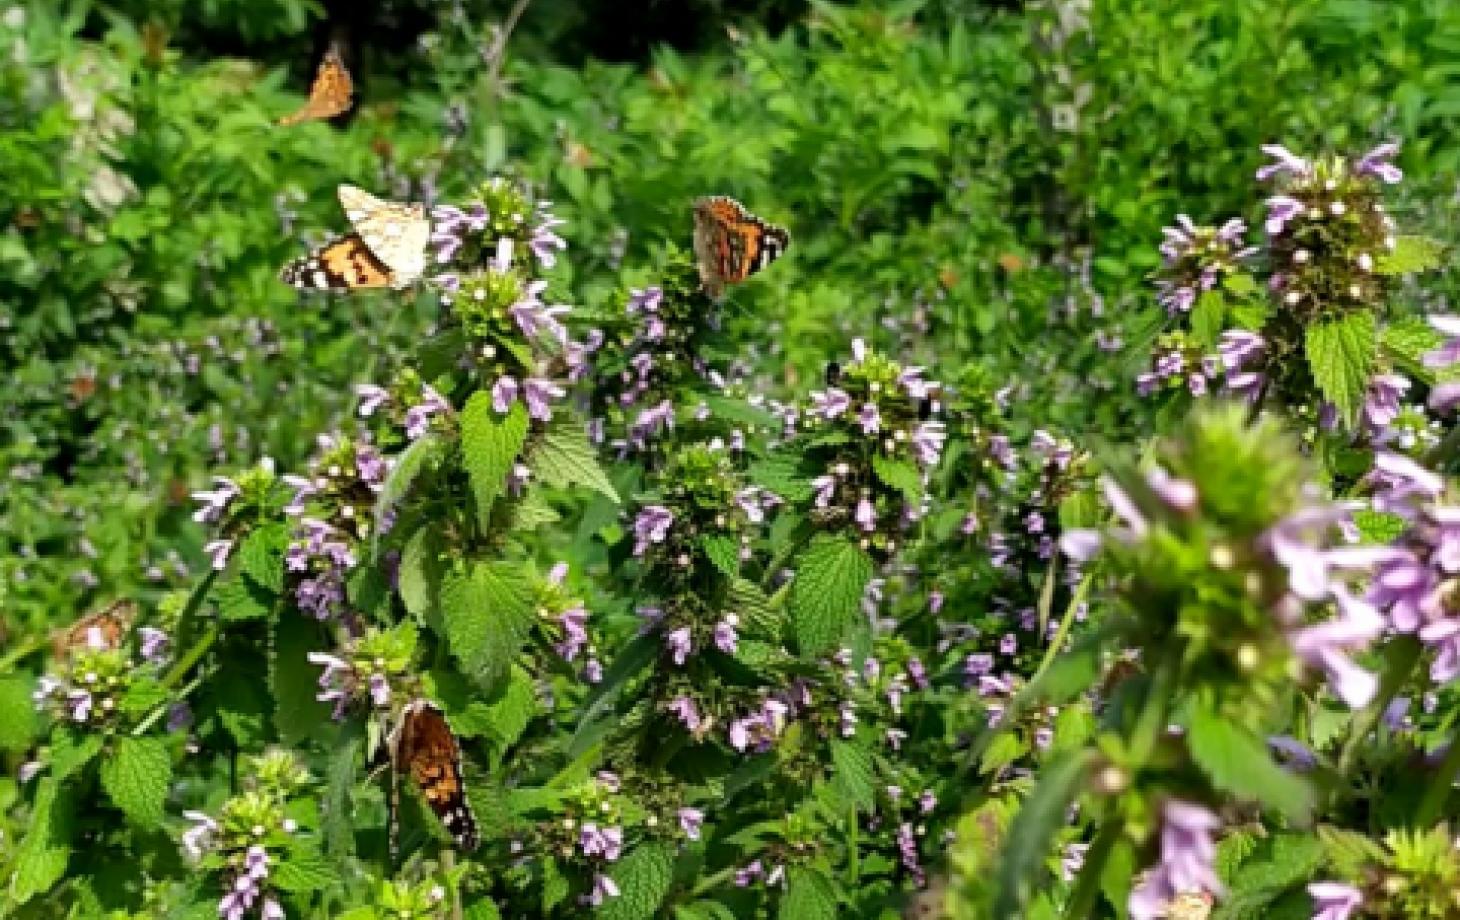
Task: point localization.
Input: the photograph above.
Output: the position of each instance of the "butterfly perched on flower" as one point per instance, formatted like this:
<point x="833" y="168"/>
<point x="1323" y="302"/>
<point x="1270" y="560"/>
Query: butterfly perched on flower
<point x="386" y="249"/>
<point x="100" y="630"/>
<point x="424" y="746"/>
<point x="731" y="244"/>
<point x="331" y="93"/>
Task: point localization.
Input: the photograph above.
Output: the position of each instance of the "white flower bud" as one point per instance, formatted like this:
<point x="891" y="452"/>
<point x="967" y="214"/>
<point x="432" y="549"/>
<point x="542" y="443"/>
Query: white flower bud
<point x="1302" y="256"/>
<point x="1338" y="208"/>
<point x="1365" y="262"/>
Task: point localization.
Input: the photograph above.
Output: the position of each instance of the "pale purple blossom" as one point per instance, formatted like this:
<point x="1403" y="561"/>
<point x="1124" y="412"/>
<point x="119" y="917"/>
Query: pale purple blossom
<point x="154" y="643"/>
<point x="418" y="417"/>
<point x="1280" y="210"/>
<point x="651" y="526"/>
<point x="603" y="889"/>
<point x="504" y="393"/>
<point x="1334" y="900"/>
<point x="684" y="709"/>
<point x="1377" y="163"/>
<point x="199" y="838"/>
<point x="680" y="644"/>
<point x="219" y="551"/>
<point x="216" y="501"/>
<point x="866" y="515"/>
<point x="726" y="638"/>
<point x="690" y="820"/>
<point x="371" y="398"/>
<point x="538" y="394"/>
<point x="544" y="243"/>
<point x="1186" y="865"/>
<point x="831" y="403"/>
<point x="1381" y="402"/>
<point x="1284" y="162"/>
<point x="870" y="419"/>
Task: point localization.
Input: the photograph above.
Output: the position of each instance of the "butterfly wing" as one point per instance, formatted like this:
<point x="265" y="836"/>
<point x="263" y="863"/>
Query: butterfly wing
<point x="329" y="95"/>
<point x="396" y="233"/>
<point x="731" y="244"/>
<point x="100" y="630"/>
<point x="343" y="264"/>
<point x="426" y="748"/>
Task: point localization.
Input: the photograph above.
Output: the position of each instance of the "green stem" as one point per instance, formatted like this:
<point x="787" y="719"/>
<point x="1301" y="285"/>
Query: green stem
<point x="157" y="713"/>
<point x="193" y="656"/>
<point x="1087" y="887"/>
<point x="713" y="880"/>
<point x="1056" y="644"/>
<point x="1046" y="594"/>
<point x="1155" y="709"/>
<point x="1402" y="656"/>
<point x="1444" y="451"/>
<point x="187" y="620"/>
<point x="1440" y="786"/>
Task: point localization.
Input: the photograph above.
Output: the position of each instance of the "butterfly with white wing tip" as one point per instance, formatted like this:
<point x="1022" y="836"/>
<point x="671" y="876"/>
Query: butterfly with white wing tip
<point x="731" y="244"/>
<point x="424" y="746"/>
<point x="387" y="248"/>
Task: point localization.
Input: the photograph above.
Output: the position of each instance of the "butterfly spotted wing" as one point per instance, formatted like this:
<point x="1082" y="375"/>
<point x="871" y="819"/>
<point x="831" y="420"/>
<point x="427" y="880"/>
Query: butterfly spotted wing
<point x="731" y="244"/>
<point x="396" y="233"/>
<point x="330" y="94"/>
<point x="100" y="630"/>
<point x="343" y="264"/>
<point x="424" y="747"/>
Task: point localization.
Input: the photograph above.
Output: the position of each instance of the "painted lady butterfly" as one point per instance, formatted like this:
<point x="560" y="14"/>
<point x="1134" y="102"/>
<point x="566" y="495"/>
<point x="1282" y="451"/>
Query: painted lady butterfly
<point x="731" y="244"/>
<point x="424" y="746"/>
<point x="387" y="249"/>
<point x="330" y="94"/>
<point x="100" y="630"/>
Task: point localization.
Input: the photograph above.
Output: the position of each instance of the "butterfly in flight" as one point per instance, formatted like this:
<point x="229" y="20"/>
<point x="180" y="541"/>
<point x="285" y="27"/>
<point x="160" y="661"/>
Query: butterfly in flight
<point x="100" y="630"/>
<point x="731" y="244"/>
<point x="386" y="249"/>
<point x="331" y="93"/>
<point x="424" y="746"/>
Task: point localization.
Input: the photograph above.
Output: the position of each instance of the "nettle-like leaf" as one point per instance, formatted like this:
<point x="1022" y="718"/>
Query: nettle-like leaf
<point x="487" y="612"/>
<point x="740" y="412"/>
<point x="490" y="443"/>
<point x="241" y="599"/>
<point x="643" y="877"/>
<point x="853" y="778"/>
<point x="262" y="556"/>
<point x="1208" y="318"/>
<point x="1277" y="867"/>
<point x="72" y="751"/>
<point x="1406" y="341"/>
<point x="900" y="475"/>
<point x="756" y="613"/>
<point x="293" y="679"/>
<point x="135" y="776"/>
<point x="1237" y="761"/>
<point x="40" y="860"/>
<point x="809" y="896"/>
<point x="723" y="550"/>
<point x="826" y="596"/>
<point x="565" y="458"/>
<point x="303" y="870"/>
<point x="419" y="574"/>
<point x="1411" y="254"/>
<point x="1341" y="355"/>
<point x="17" y="714"/>
<point x="780" y="473"/>
<point x="1379" y="527"/>
<point x="424" y="453"/>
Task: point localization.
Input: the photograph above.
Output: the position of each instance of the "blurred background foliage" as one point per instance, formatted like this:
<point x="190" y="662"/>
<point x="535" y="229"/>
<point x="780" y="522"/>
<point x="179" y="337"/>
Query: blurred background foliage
<point x="987" y="177"/>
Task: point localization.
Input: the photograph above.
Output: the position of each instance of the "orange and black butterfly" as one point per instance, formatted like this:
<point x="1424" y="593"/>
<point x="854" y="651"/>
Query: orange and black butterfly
<point x="330" y="95"/>
<point x="731" y="244"/>
<point x="100" y="630"/>
<point x="387" y="249"/>
<point x="424" y="746"/>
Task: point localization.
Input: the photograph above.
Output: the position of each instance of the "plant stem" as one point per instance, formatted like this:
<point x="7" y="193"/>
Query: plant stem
<point x="187" y="619"/>
<point x="1087" y="887"/>
<point x="1153" y="717"/>
<point x="1403" y="655"/>
<point x="1066" y="624"/>
<point x="194" y="655"/>
<point x="710" y="881"/>
<point x="1046" y="594"/>
<point x="1441" y="784"/>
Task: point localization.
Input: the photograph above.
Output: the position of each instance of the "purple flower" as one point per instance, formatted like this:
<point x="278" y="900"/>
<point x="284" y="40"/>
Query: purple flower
<point x="418" y="417"/>
<point x="198" y="839"/>
<point x="1376" y="163"/>
<point x="154" y="643"/>
<point x="830" y="404"/>
<point x="927" y="441"/>
<point x="1073" y="860"/>
<point x="870" y="419"/>
<point x="537" y="393"/>
<point x="651" y="526"/>
<point x="544" y="241"/>
<point x="371" y="397"/>
<point x="215" y="502"/>
<point x="1186" y="866"/>
<point x="684" y="709"/>
<point x="379" y="690"/>
<point x="825" y="487"/>
<point x="603" y="889"/>
<point x="179" y="717"/>
<point x="271" y="910"/>
<point x="680" y="644"/>
<point x="1325" y="646"/>
<point x="646" y="300"/>
<point x="1280" y="210"/>
<point x="1286" y="162"/>
<point x="726" y="639"/>
<point x="219" y="551"/>
<point x="504" y="393"/>
<point x="866" y="515"/>
<point x="1334" y="900"/>
<point x="1239" y="348"/>
<point x="607" y="842"/>
<point x="690" y="820"/>
<point x="1449" y="352"/>
<point x="1381" y="404"/>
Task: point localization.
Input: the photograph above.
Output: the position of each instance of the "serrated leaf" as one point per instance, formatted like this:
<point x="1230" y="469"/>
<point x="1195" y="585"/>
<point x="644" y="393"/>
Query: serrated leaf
<point x="853" y="778"/>
<point x="240" y="599"/>
<point x="809" y="896"/>
<point x="487" y="612"/>
<point x="294" y="680"/>
<point x="1022" y="859"/>
<point x="1239" y="284"/>
<point x="145" y="694"/>
<point x="564" y="458"/>
<point x="740" y="412"/>
<point x="490" y="444"/>
<point x="1379" y="527"/>
<point x="1411" y="254"/>
<point x="826" y="596"/>
<point x="1406" y="341"/>
<point x="1238" y="762"/>
<point x="71" y="752"/>
<point x="554" y="885"/>
<point x="135" y="777"/>
<point x="40" y="860"/>
<point x="643" y="877"/>
<point x="899" y="475"/>
<point x="1341" y="355"/>
<point x="418" y="576"/>
<point x="482" y="909"/>
<point x="780" y="473"/>
<point x="262" y="556"/>
<point x="533" y="511"/>
<point x="422" y="454"/>
<point x="336" y="805"/>
<point x="17" y="714"/>
<point x="757" y="616"/>
<point x="1208" y="318"/>
<point x="723" y="551"/>
<point x="302" y="871"/>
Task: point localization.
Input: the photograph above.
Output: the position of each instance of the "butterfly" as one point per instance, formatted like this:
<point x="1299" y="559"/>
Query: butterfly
<point x="100" y="630"/>
<point x="731" y="244"/>
<point x="424" y="746"/>
<point x="387" y="249"/>
<point x="329" y="95"/>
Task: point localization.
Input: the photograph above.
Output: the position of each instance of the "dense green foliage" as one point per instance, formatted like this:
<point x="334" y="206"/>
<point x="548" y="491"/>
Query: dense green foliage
<point x="974" y="189"/>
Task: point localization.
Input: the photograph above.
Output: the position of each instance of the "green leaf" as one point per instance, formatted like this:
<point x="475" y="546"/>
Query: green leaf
<point x="294" y="680"/>
<point x="626" y="665"/>
<point x="487" y="611"/>
<point x="1237" y="761"/>
<point x="262" y="556"/>
<point x="423" y="453"/>
<point x="809" y="896"/>
<point x="1406" y="341"/>
<point x="826" y="596"/>
<point x="418" y="577"/>
<point x="135" y="777"/>
<point x="1379" y="527"/>
<point x="302" y="871"/>
<point x="643" y="878"/>
<point x="71" y="752"/>
<point x="899" y="475"/>
<point x="1411" y="254"/>
<point x="240" y="599"/>
<point x="490" y="444"/>
<point x="336" y="805"/>
<point x="740" y="412"/>
<point x="853" y="778"/>
<point x="750" y="603"/>
<point x="40" y="860"/>
<point x="1032" y="832"/>
<point x="145" y="694"/>
<point x="723" y="551"/>
<point x="1208" y="318"/>
<point x="533" y="511"/>
<point x="1239" y="284"/>
<point x="780" y="473"/>
<point x="1341" y="356"/>
<point x="564" y="458"/>
<point x="555" y="885"/>
<point x="17" y="714"/>
<point x="482" y="909"/>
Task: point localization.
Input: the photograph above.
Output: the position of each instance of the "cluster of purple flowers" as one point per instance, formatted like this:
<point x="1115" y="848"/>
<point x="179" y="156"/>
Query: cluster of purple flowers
<point x="95" y="676"/>
<point x="1194" y="260"/>
<point x="568" y="615"/>
<point x="248" y="890"/>
<point x="1187" y="864"/>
